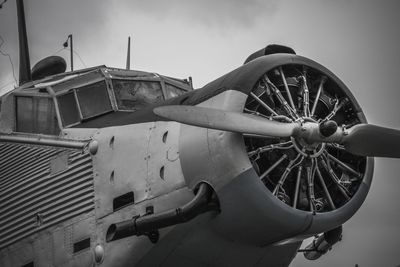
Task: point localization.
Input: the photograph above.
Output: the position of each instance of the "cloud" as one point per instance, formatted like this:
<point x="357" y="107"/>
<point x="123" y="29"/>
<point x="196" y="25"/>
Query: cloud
<point x="209" y="13"/>
<point x="94" y="23"/>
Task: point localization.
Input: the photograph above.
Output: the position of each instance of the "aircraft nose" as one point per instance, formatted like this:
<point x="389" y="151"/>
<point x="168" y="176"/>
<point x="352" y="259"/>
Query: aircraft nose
<point x="248" y="209"/>
<point x="220" y="158"/>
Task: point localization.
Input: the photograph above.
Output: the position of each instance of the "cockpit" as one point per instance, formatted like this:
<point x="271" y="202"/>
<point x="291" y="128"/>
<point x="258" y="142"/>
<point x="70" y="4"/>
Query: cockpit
<point x="70" y="99"/>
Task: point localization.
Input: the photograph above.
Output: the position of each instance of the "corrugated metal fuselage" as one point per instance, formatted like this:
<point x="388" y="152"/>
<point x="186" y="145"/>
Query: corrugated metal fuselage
<point x="61" y="195"/>
<point x="53" y="198"/>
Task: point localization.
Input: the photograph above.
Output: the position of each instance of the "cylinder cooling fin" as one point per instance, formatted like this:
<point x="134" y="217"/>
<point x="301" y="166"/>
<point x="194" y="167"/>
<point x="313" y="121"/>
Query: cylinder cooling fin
<point x="316" y="177"/>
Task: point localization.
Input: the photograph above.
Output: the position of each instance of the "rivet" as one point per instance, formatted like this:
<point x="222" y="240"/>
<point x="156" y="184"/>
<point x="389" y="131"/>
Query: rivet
<point x="93" y="147"/>
<point x="98" y="253"/>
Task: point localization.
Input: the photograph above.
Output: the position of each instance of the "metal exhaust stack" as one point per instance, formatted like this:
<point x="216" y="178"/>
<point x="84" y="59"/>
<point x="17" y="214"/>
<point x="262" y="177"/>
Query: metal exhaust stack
<point x="205" y="200"/>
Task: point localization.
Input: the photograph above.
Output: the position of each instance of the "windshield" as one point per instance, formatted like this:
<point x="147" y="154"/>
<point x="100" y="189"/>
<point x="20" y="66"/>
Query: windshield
<point x="134" y="95"/>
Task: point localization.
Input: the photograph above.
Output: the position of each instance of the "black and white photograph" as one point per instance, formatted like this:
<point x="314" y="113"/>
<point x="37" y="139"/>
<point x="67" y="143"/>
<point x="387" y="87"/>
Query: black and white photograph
<point x="219" y="133"/>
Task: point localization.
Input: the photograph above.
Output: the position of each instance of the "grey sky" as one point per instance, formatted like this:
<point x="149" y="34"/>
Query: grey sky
<point x="358" y="40"/>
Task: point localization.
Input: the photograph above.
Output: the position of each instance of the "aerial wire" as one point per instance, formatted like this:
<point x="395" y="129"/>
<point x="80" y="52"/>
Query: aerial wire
<point x="6" y="84"/>
<point x="76" y="53"/>
<point x="58" y="51"/>
<point x="9" y="57"/>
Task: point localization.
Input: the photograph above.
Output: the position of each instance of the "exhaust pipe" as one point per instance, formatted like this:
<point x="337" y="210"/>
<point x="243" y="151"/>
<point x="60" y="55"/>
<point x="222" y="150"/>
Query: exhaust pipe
<point x="323" y="243"/>
<point x="205" y="200"/>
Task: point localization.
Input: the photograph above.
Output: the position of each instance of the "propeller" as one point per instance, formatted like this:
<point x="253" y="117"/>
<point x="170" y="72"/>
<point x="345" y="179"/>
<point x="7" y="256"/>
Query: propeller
<point x="361" y="139"/>
<point x="225" y="120"/>
<point x="373" y="140"/>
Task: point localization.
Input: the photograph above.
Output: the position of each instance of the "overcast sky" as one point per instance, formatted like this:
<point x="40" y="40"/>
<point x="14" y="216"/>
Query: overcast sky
<point x="358" y="40"/>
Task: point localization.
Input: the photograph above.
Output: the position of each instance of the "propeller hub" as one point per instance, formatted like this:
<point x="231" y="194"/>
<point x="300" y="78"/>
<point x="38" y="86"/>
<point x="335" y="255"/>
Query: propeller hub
<point x="305" y="141"/>
<point x="309" y="139"/>
<point x="311" y="134"/>
<point x="307" y="149"/>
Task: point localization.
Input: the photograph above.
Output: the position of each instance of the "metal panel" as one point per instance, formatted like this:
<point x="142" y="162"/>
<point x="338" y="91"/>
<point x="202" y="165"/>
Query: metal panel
<point x="212" y="155"/>
<point x="120" y="150"/>
<point x="130" y="158"/>
<point x="164" y="173"/>
<point x="33" y="197"/>
<point x="42" y="250"/>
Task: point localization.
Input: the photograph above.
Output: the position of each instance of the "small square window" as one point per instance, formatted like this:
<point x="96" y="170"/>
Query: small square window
<point x="68" y="109"/>
<point x="93" y="99"/>
<point x="36" y="115"/>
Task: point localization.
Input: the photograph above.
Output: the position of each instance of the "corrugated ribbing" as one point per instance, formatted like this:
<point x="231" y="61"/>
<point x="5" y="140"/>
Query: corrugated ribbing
<point x="32" y="198"/>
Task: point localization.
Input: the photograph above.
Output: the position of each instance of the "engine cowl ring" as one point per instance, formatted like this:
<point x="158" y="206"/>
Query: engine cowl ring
<point x="313" y="177"/>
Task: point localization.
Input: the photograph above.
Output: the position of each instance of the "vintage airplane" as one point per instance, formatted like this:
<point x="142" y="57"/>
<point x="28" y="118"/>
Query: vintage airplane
<point x="113" y="167"/>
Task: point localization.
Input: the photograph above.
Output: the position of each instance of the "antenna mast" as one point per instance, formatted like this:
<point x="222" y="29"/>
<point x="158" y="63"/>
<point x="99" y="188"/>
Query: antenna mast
<point x="71" y="52"/>
<point x="24" y="62"/>
<point x="128" y="56"/>
<point x="69" y="38"/>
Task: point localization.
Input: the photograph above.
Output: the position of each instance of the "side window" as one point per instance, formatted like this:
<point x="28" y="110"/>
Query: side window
<point x="93" y="99"/>
<point x="36" y="115"/>
<point x="173" y="91"/>
<point x="68" y="109"/>
<point x="134" y="95"/>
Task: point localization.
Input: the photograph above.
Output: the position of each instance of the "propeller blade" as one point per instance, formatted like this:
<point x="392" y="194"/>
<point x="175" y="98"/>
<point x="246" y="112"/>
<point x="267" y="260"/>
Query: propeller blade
<point x="226" y="120"/>
<point x="372" y="140"/>
<point x="362" y="139"/>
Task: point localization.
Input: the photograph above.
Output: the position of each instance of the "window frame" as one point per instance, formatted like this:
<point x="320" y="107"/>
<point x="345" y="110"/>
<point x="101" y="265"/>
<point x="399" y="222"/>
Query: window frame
<point x="184" y="91"/>
<point x="138" y="79"/>
<point x="77" y="104"/>
<point x="74" y="91"/>
<point x="172" y="82"/>
<point x="35" y="95"/>
<point x="108" y="97"/>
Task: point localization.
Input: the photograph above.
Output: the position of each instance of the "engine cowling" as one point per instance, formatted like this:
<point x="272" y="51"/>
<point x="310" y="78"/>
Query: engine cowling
<point x="271" y="189"/>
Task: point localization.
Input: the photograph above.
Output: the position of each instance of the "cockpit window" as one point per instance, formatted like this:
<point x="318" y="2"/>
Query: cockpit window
<point x="173" y="91"/>
<point x="134" y="95"/>
<point x="68" y="109"/>
<point x="93" y="99"/>
<point x="36" y="115"/>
